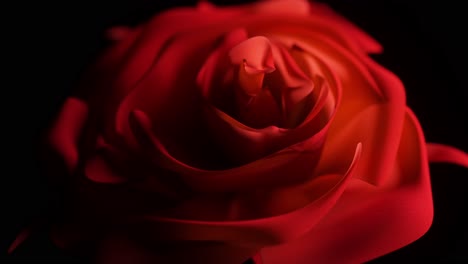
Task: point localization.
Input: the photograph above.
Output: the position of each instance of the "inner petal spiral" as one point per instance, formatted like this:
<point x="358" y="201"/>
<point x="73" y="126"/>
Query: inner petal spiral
<point x="268" y="86"/>
<point x="264" y="95"/>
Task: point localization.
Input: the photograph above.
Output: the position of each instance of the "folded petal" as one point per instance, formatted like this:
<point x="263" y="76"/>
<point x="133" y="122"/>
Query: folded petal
<point x="255" y="53"/>
<point x="67" y="129"/>
<point x="268" y="171"/>
<point x="378" y="127"/>
<point x="379" y="134"/>
<point x="347" y="31"/>
<point x="212" y="78"/>
<point x="369" y="221"/>
<point x="102" y="167"/>
<point x="252" y="233"/>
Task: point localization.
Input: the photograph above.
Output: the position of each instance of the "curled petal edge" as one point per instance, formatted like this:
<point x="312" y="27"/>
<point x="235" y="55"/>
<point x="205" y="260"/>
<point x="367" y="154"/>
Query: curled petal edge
<point x="67" y="130"/>
<point x="234" y="179"/>
<point x="252" y="233"/>
<point x="447" y="154"/>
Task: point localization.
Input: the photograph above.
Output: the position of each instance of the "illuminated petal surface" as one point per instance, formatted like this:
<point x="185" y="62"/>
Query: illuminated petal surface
<point x="369" y="221"/>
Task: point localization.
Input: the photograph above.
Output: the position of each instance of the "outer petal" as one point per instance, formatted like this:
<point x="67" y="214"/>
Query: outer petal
<point x="155" y="57"/>
<point x="154" y="239"/>
<point x="66" y="131"/>
<point x="296" y="7"/>
<point x="315" y="16"/>
<point x="250" y="233"/>
<point x="443" y="153"/>
<point x="369" y="221"/>
<point x="380" y="129"/>
<point x="351" y="35"/>
<point x="169" y="96"/>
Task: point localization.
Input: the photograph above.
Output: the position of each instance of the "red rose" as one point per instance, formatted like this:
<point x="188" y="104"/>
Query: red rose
<point x="213" y="135"/>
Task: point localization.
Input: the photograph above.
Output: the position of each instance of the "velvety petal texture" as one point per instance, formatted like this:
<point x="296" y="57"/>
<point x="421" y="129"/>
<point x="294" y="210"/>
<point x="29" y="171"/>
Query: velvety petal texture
<point x="261" y="131"/>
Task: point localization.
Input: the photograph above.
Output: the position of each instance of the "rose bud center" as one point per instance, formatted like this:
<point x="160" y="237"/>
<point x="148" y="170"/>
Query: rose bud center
<point x="270" y="89"/>
<point x="265" y="94"/>
<point x="265" y="82"/>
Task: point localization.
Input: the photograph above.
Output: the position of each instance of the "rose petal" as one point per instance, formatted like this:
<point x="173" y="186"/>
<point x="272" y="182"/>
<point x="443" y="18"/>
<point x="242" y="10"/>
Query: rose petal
<point x="256" y="53"/>
<point x="24" y="234"/>
<point x="379" y="129"/>
<point x="443" y="153"/>
<point x="99" y="170"/>
<point x="66" y="131"/>
<point x="247" y="143"/>
<point x="251" y="83"/>
<point x="364" y="75"/>
<point x="298" y="109"/>
<point x="257" y="259"/>
<point x="369" y="221"/>
<point x="111" y="165"/>
<point x="268" y="171"/>
<point x="238" y="23"/>
<point x="149" y="47"/>
<point x="250" y="233"/>
<point x="345" y="30"/>
<point x="257" y="111"/>
<point x="267" y="7"/>
<point x="155" y="61"/>
<point x="172" y="118"/>
<point x="350" y="67"/>
<point x="221" y="240"/>
<point x="296" y="7"/>
<point x="175" y="104"/>
<point x="208" y="78"/>
<point x="143" y="61"/>
<point x="319" y="17"/>
<point x="205" y="6"/>
<point x="290" y="74"/>
<point x="290" y="86"/>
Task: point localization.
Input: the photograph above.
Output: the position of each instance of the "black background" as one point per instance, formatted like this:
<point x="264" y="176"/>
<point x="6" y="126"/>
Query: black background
<point x="52" y="43"/>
